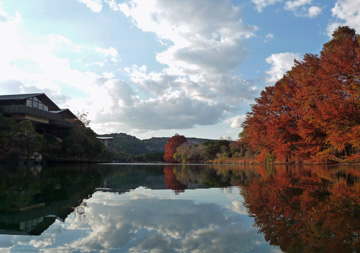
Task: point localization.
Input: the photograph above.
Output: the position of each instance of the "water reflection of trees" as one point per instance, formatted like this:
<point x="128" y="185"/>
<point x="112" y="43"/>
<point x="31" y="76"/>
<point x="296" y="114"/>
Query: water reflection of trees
<point x="301" y="209"/>
<point x="171" y="181"/>
<point x="32" y="197"/>
<point x="313" y="209"/>
<point x="217" y="176"/>
<point x="195" y="175"/>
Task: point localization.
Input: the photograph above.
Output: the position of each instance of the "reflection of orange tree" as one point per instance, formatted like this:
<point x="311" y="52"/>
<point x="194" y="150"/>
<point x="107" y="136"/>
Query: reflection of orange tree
<point x="302" y="212"/>
<point x="171" y="181"/>
<point x="214" y="175"/>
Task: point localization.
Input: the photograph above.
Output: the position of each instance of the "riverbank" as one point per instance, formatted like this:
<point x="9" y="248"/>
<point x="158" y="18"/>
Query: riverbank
<point x="237" y="160"/>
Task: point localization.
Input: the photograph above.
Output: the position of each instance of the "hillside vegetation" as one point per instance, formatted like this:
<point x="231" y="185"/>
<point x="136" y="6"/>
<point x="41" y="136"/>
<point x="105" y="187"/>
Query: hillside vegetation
<point x="127" y="148"/>
<point x="19" y="142"/>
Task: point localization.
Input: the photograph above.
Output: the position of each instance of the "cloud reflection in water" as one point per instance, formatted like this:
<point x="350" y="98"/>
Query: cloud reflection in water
<point x="147" y="220"/>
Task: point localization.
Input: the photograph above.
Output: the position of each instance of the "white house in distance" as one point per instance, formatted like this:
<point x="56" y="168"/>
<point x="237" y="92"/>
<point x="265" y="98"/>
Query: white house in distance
<point x="107" y="141"/>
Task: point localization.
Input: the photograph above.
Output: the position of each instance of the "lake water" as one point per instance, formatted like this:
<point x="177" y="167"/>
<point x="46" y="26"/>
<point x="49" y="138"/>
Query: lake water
<point x="174" y="208"/>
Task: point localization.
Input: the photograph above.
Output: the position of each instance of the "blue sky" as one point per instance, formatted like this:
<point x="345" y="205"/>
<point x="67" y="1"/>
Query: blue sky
<point x="159" y="67"/>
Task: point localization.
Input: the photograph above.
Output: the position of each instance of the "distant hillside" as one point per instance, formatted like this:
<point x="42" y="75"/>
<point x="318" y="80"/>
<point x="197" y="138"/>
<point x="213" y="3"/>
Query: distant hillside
<point x="129" y="146"/>
<point x="157" y="144"/>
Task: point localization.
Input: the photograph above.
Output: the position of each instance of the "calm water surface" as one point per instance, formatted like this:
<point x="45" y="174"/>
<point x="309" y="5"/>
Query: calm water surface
<point x="170" y="208"/>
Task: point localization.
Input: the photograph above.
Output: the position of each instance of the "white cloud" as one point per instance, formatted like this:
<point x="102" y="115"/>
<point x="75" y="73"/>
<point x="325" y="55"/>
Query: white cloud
<point x="100" y="64"/>
<point x="236" y="121"/>
<point x="210" y="38"/>
<point x="47" y="240"/>
<point x="94" y="5"/>
<point x="238" y="207"/>
<point x="294" y="5"/>
<point x="332" y="27"/>
<point x="280" y="64"/>
<point x="197" y="86"/>
<point x="298" y="7"/>
<point x="145" y="220"/>
<point x="113" y="4"/>
<point x="269" y="37"/>
<point x="34" y="65"/>
<point x="17" y="87"/>
<point x="108" y="75"/>
<point x="164" y="225"/>
<point x="348" y="12"/>
<point x="154" y="82"/>
<point x="33" y="62"/>
<point x="302" y="8"/>
<point x="107" y="51"/>
<point x="314" y="11"/>
<point x="170" y="111"/>
<point x="261" y="4"/>
<point x="206" y="86"/>
<point x="3" y="14"/>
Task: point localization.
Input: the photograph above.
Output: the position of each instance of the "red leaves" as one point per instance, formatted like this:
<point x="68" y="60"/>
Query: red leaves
<point x="312" y="113"/>
<point x="172" y="144"/>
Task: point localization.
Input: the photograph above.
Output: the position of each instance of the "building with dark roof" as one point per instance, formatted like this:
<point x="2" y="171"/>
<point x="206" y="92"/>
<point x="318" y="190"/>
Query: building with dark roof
<point x="38" y="108"/>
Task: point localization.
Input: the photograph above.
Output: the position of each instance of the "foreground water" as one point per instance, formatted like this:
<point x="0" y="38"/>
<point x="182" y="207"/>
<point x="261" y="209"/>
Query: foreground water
<point x="167" y="208"/>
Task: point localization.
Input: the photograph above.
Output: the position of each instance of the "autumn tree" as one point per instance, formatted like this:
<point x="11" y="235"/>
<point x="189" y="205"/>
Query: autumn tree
<point x="312" y="114"/>
<point x="172" y="144"/>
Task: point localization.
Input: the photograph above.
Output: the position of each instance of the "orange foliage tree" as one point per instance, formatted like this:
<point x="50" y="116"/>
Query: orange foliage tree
<point x="172" y="144"/>
<point x="312" y="114"/>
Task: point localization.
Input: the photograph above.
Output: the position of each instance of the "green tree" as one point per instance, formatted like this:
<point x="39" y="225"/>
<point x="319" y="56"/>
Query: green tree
<point x="19" y="139"/>
<point x="82" y="145"/>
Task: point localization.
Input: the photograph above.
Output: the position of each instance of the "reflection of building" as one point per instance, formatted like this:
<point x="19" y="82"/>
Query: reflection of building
<point x="37" y="108"/>
<point x="33" y="221"/>
<point x="58" y="194"/>
<point x="107" y="141"/>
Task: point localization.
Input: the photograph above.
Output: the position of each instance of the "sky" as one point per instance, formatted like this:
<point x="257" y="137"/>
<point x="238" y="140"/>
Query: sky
<point x="153" y="68"/>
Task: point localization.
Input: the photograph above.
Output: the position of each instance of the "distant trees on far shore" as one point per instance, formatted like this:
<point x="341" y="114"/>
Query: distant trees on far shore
<point x="178" y="150"/>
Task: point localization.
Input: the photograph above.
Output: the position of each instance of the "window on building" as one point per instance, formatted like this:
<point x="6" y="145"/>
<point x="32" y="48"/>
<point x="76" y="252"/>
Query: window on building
<point x="36" y="103"/>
